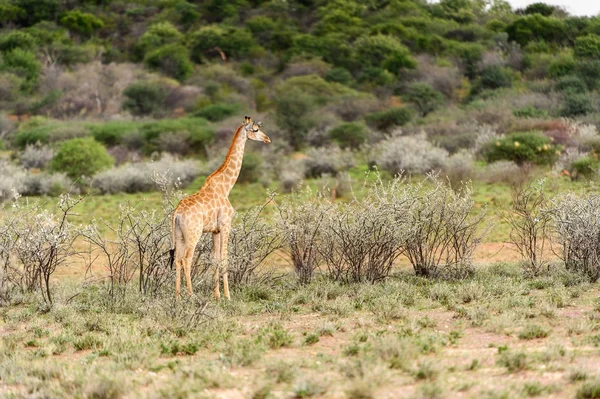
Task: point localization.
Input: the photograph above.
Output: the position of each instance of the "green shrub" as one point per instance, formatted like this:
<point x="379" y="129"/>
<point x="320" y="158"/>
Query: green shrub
<point x="536" y="28"/>
<point x="251" y="168"/>
<point x="585" y="167"/>
<point x="576" y="104"/>
<point x="293" y="115"/>
<point x="112" y="133"/>
<point x="24" y="64"/>
<point x="589" y="72"/>
<point x="339" y="75"/>
<point x="494" y="77"/>
<point x="387" y="119"/>
<point x="349" y="135"/>
<point x="530" y="112"/>
<point x="82" y="23"/>
<point x="539" y="8"/>
<point x="522" y="147"/>
<point x="383" y="50"/>
<point x="158" y="35"/>
<point x="38" y="134"/>
<point x="199" y="134"/>
<point x="589" y="390"/>
<point x="172" y="60"/>
<point x="16" y="39"/>
<point x="218" y="112"/>
<point x="424" y="97"/>
<point x="533" y="331"/>
<point x="562" y="66"/>
<point x="233" y="41"/>
<point x="587" y="46"/>
<point x="144" y="98"/>
<point x="571" y="84"/>
<point x="81" y="157"/>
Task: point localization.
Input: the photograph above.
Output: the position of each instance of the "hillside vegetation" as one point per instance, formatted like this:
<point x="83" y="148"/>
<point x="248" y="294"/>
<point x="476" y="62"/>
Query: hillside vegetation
<point x="404" y="85"/>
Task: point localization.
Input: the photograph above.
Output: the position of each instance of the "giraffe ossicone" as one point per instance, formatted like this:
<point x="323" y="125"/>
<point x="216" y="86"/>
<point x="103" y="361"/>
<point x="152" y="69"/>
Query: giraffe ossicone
<point x="209" y="211"/>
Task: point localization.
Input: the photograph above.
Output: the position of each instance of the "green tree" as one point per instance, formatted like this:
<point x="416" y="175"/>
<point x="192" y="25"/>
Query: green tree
<point x="522" y="147"/>
<point x="539" y="8"/>
<point x="81" y="157"/>
<point x="82" y="23"/>
<point x="144" y="98"/>
<point x="158" y="35"/>
<point x="23" y="64"/>
<point x="383" y="50"/>
<point x="172" y="60"/>
<point x="587" y="46"/>
<point x="349" y="135"/>
<point x="424" y="97"/>
<point x="16" y="39"/>
<point x="293" y="115"/>
<point x="210" y="41"/>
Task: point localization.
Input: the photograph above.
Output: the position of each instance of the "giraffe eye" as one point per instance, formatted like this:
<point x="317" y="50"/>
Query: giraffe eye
<point x="255" y="130"/>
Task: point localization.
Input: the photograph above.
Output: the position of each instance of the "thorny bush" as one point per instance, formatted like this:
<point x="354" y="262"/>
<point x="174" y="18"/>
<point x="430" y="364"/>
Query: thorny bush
<point x="577" y="232"/>
<point x="33" y="243"/>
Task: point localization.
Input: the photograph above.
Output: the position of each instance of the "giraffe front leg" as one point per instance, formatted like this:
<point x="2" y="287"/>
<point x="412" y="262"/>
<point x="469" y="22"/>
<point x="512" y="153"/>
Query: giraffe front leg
<point x="224" y="262"/>
<point x="187" y="268"/>
<point x="177" y="278"/>
<point x="217" y="261"/>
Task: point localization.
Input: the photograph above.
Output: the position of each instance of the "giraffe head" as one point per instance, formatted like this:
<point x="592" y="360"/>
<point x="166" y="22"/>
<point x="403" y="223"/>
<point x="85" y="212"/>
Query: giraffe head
<point x="254" y="131"/>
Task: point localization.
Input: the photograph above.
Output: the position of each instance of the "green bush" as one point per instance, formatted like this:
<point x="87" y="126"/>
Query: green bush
<point x="158" y="35"/>
<point x="587" y="46"/>
<point x="349" y="135"/>
<point x="589" y="72"/>
<point x="387" y="119"/>
<point x="576" y="104"/>
<point x="522" y="147"/>
<point x="293" y="115"/>
<point x="82" y="23"/>
<point x="383" y="50"/>
<point x="16" y="39"/>
<point x="562" y="66"/>
<point x="24" y="64"/>
<point x="339" y="75"/>
<point x="585" y="167"/>
<point x="172" y="60"/>
<point x="539" y="8"/>
<point x="424" y="98"/>
<point x="199" y="133"/>
<point x="530" y="112"/>
<point x="112" y="133"/>
<point x="536" y="28"/>
<point x="81" y="157"/>
<point x="144" y="98"/>
<point x="35" y="134"/>
<point x="251" y="168"/>
<point x="234" y="42"/>
<point x="571" y="84"/>
<point x="494" y="77"/>
<point x="218" y="112"/>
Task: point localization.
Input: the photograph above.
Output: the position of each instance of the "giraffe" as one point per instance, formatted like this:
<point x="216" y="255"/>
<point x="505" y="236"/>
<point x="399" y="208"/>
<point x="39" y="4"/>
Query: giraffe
<point x="209" y="211"/>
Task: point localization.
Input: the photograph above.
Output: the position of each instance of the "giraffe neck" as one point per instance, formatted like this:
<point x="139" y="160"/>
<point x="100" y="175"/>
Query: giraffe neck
<point x="226" y="175"/>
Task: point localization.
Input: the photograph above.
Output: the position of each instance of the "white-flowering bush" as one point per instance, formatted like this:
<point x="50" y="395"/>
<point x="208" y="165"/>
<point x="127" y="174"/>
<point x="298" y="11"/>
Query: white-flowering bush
<point x="137" y="177"/>
<point x="12" y="179"/>
<point x="412" y="154"/>
<point x="291" y="174"/>
<point x="504" y="172"/>
<point x="36" y="156"/>
<point x="459" y="169"/>
<point x="484" y="135"/>
<point x="328" y="160"/>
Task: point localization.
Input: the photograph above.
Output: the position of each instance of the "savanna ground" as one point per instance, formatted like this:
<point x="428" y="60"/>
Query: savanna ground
<point x="495" y="334"/>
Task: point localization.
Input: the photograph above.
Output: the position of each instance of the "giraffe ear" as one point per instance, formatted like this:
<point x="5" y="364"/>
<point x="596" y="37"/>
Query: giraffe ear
<point x="247" y="120"/>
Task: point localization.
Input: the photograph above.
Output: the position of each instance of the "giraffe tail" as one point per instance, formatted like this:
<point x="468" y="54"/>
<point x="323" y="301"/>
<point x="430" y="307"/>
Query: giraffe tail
<point x="173" y="235"/>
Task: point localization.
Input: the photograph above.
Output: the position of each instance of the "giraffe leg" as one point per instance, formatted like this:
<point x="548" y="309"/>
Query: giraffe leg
<point x="224" y="264"/>
<point x="178" y="265"/>
<point x="187" y="265"/>
<point x="217" y="261"/>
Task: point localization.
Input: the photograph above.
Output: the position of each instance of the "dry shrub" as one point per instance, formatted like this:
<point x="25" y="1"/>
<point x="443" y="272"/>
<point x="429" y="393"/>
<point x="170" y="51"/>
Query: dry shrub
<point x="15" y="181"/>
<point x="253" y="239"/>
<point x="506" y="172"/>
<point x="350" y="108"/>
<point x="35" y="243"/>
<point x="138" y="177"/>
<point x="300" y="221"/>
<point x="328" y="160"/>
<point x="576" y="231"/>
<point x="459" y="169"/>
<point x="411" y="154"/>
<point x="498" y="117"/>
<point x="300" y="67"/>
<point x="446" y="80"/>
<point x="441" y="228"/>
<point x="359" y="241"/>
<point x="529" y="220"/>
<point x="36" y="156"/>
<point x="90" y="89"/>
<point x="291" y="174"/>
